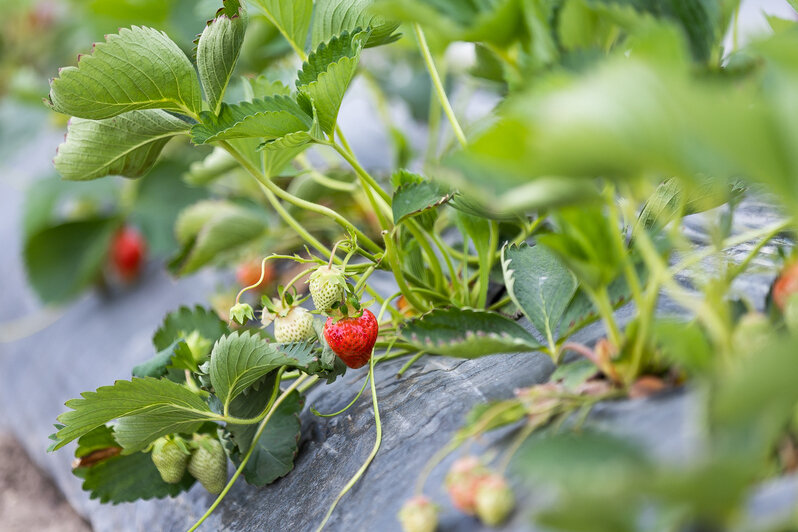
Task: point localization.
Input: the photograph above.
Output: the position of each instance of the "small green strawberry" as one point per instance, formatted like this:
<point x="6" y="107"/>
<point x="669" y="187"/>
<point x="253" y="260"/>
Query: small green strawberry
<point x="296" y="325"/>
<point x="327" y="287"/>
<point x="208" y="463"/>
<point x="241" y="313"/>
<point x="419" y="514"/>
<point x="494" y="500"/>
<point x="170" y="455"/>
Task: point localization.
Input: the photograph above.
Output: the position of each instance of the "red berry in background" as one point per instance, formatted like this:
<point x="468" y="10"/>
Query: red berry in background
<point x="128" y="251"/>
<point x="352" y="339"/>
<point x="785" y="285"/>
<point x="248" y="274"/>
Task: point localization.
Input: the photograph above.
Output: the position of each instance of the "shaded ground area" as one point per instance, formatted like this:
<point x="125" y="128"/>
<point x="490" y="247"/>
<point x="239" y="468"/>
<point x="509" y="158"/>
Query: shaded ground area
<point x="28" y="499"/>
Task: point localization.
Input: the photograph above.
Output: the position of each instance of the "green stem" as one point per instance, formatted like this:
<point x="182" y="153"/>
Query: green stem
<point x="298" y="202"/>
<point x="347" y="407"/>
<point x="432" y="259"/>
<point x="370" y="458"/>
<point x="393" y="262"/>
<point x="602" y="301"/>
<point x="409" y="363"/>
<point x="436" y="82"/>
<point x="272" y="407"/>
<point x="349" y="157"/>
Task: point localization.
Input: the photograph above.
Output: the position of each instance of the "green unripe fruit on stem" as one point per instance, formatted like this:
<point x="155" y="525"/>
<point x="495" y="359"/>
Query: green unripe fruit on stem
<point x="170" y="456"/>
<point x="327" y="287"/>
<point x="419" y="514"/>
<point x="208" y="463"/>
<point x="494" y="500"/>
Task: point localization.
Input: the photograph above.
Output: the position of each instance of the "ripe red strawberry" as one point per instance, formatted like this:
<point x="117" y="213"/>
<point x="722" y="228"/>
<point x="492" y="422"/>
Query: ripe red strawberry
<point x="786" y="285"/>
<point x="352" y="338"/>
<point x="128" y="250"/>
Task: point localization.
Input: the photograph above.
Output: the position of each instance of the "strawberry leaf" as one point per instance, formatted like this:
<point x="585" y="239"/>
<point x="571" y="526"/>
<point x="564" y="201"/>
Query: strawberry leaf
<point x="274" y="453"/>
<point x="127" y="144"/>
<point x="208" y="228"/>
<point x="467" y="333"/>
<point x="184" y="321"/>
<point x="122" y="478"/>
<point x="218" y="49"/>
<point x="269" y="118"/>
<point x="417" y="195"/>
<point x="159" y="364"/>
<point x="540" y="285"/>
<point x="146" y="409"/>
<point x="138" y="68"/>
<point x="332" y="17"/>
<point x="290" y="17"/>
<point x="240" y="359"/>
<point x="64" y="259"/>
<point x="326" y="74"/>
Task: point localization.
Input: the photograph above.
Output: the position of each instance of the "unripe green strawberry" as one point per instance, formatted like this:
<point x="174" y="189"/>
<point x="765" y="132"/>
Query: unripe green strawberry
<point x="462" y="481"/>
<point x="494" y="500"/>
<point x="295" y="326"/>
<point x="419" y="514"/>
<point x="170" y="456"/>
<point x="208" y="463"/>
<point x="327" y="287"/>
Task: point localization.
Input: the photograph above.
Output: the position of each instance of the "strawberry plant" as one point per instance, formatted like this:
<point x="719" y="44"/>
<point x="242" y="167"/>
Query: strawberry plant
<point x="616" y="122"/>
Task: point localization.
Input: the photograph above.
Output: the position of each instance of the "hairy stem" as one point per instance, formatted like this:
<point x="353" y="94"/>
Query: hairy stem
<point x="436" y="82"/>
<point x="274" y="402"/>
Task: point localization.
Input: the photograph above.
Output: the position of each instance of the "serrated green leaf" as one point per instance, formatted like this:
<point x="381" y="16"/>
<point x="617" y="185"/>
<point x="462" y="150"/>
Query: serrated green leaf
<point x="417" y="196"/>
<point x="326" y="74"/>
<point x="128" y="478"/>
<point x="213" y="166"/>
<point x="218" y="49"/>
<point x="467" y="333"/>
<point x="127" y="144"/>
<point x="64" y="259"/>
<point x="333" y="17"/>
<point x="146" y="408"/>
<point x="240" y="359"/>
<point x="184" y="321"/>
<point x="157" y="366"/>
<point x="290" y="17"/>
<point x="138" y="68"/>
<point x="269" y="118"/>
<point x="262" y="86"/>
<point x="122" y="478"/>
<point x="540" y="285"/>
<point x="274" y="453"/>
<point x="208" y="228"/>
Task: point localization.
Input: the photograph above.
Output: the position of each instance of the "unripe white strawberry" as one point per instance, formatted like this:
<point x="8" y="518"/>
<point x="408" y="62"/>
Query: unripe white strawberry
<point x="327" y="287"/>
<point x="170" y="456"/>
<point x="462" y="481"/>
<point x="208" y="463"/>
<point x="419" y="514"/>
<point x="494" y="500"/>
<point x="295" y="326"/>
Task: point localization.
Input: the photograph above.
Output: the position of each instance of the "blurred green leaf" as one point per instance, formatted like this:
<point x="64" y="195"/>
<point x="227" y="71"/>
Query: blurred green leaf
<point x="64" y="259"/>
<point x="291" y="17"/>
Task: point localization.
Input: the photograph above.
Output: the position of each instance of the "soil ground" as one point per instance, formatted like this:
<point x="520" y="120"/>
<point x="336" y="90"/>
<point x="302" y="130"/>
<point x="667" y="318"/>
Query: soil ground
<point x="28" y="498"/>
